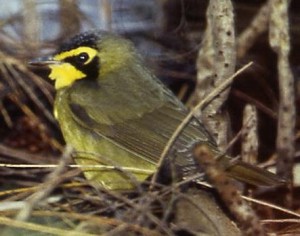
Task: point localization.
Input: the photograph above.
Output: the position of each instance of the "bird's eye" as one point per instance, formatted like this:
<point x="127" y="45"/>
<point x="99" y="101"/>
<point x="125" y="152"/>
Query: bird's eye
<point x="82" y="58"/>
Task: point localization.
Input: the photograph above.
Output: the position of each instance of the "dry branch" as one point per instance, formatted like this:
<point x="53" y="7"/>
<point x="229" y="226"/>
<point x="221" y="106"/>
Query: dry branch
<point x="258" y="25"/>
<point x="249" y="134"/>
<point x="216" y="62"/>
<point x="229" y="193"/>
<point x="280" y="42"/>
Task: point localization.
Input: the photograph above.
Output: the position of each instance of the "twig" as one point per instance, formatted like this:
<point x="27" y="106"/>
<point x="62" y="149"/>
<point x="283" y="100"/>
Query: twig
<point x="32" y="27"/>
<point x="260" y="106"/>
<point x="52" y="180"/>
<point x="216" y="62"/>
<point x="37" y="228"/>
<point x="21" y="155"/>
<point x="280" y="221"/>
<point x="258" y="25"/>
<point x="249" y="135"/>
<point x="228" y="191"/>
<point x="280" y="42"/>
<point x="263" y="203"/>
<point x="249" y="199"/>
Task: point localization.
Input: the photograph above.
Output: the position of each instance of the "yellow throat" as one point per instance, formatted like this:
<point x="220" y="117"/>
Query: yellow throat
<point x="63" y="72"/>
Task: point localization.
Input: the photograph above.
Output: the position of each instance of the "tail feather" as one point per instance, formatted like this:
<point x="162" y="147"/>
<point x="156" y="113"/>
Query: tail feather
<point x="253" y="175"/>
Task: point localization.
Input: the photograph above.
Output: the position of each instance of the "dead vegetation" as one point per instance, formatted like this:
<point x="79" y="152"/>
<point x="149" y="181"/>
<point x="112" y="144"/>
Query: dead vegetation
<point x="190" y="44"/>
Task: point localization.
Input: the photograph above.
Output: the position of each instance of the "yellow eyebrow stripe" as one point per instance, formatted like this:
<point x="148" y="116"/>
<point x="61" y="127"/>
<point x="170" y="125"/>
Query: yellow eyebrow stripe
<point x="75" y="52"/>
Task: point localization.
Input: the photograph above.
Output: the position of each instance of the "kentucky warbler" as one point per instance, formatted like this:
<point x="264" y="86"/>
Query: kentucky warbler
<point x="116" y="113"/>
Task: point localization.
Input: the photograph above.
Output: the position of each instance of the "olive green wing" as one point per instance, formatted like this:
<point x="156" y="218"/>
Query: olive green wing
<point x="146" y="136"/>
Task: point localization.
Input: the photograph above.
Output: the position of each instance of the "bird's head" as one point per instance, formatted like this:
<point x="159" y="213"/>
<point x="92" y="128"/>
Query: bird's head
<point x="89" y="55"/>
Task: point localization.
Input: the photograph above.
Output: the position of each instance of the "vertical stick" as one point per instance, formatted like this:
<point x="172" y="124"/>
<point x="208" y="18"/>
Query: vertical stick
<point x="280" y="42"/>
<point x="249" y="135"/>
<point x="216" y="62"/>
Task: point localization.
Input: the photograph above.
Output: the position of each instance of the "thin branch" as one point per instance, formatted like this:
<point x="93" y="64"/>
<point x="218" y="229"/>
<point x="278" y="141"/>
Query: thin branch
<point x="228" y="191"/>
<point x="258" y="25"/>
<point x="52" y="180"/>
<point x="216" y="62"/>
<point x="280" y="42"/>
<point x="249" y="135"/>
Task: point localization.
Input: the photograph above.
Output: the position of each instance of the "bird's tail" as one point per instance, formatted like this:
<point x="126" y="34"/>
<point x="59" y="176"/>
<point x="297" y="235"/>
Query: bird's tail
<point x="253" y="175"/>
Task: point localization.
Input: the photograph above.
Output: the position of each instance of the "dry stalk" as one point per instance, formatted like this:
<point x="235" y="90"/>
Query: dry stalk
<point x="216" y="62"/>
<point x="249" y="135"/>
<point x="229" y="193"/>
<point x="31" y="25"/>
<point x="52" y="180"/>
<point x="258" y="25"/>
<point x="280" y="42"/>
<point x="41" y="229"/>
<point x="106" y="14"/>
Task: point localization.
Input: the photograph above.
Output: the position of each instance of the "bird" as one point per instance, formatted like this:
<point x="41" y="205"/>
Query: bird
<point x="118" y="115"/>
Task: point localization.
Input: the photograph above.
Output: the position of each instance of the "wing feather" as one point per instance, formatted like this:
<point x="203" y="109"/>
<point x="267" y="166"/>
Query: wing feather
<point x="145" y="135"/>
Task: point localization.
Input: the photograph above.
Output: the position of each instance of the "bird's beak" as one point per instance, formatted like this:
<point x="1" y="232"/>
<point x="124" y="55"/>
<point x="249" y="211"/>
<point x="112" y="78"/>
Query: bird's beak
<point x="43" y="62"/>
